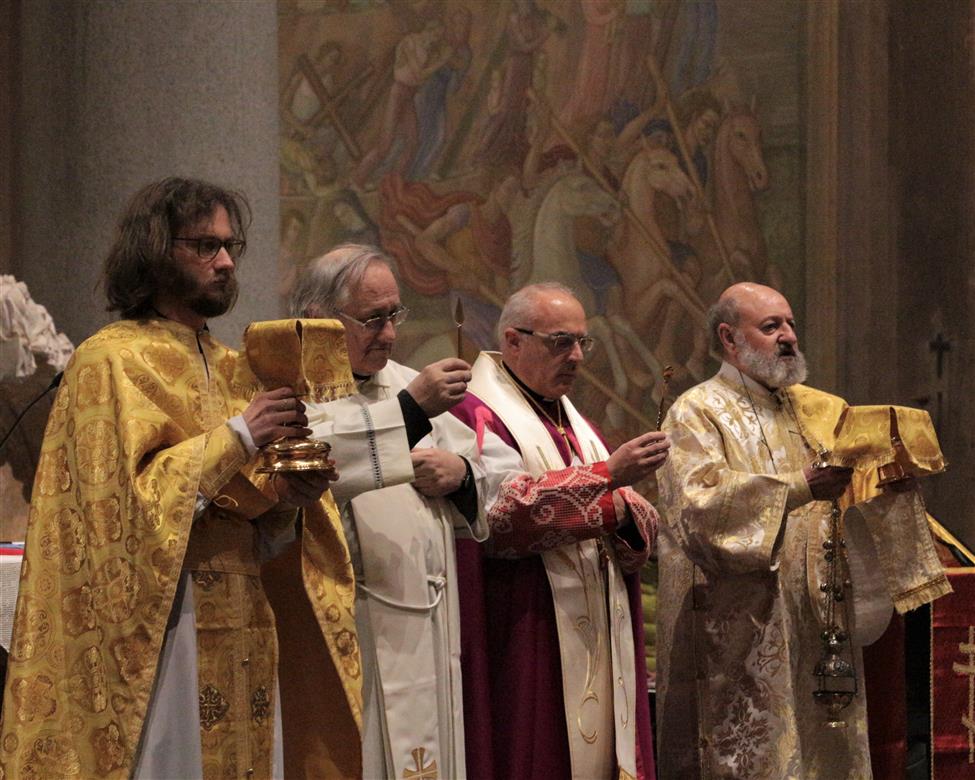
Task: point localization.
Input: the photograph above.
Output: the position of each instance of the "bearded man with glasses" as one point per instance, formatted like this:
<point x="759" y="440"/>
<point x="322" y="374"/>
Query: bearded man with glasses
<point x="144" y="646"/>
<point x="411" y="477"/>
<point x="552" y="642"/>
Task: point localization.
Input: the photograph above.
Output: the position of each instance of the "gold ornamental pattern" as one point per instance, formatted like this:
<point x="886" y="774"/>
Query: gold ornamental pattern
<point x="310" y="356"/>
<point x="123" y="458"/>
<point x="742" y="626"/>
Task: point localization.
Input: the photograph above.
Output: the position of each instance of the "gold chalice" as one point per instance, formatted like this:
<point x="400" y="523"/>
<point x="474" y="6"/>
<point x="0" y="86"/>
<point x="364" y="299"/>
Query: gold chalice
<point x="311" y="357"/>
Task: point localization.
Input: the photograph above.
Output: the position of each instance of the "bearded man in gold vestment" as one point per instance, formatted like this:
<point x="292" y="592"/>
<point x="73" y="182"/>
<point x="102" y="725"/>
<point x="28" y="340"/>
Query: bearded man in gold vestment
<point x="742" y="561"/>
<point x="143" y="645"/>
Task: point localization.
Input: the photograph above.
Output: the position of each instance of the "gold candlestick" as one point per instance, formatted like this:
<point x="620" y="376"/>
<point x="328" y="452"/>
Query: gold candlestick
<point x="668" y="372"/>
<point x="459" y="322"/>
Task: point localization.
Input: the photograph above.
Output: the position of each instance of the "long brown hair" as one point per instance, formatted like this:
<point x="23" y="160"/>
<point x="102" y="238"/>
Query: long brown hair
<point x="142" y="252"/>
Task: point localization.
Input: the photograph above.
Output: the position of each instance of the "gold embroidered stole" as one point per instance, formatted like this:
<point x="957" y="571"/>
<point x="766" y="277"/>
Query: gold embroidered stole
<point x="311" y="588"/>
<point x="592" y="614"/>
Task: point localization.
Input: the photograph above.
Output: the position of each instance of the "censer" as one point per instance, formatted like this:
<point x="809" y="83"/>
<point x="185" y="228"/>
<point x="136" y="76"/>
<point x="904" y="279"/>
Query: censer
<point x="836" y="676"/>
<point x="868" y="439"/>
<point x="311" y="357"/>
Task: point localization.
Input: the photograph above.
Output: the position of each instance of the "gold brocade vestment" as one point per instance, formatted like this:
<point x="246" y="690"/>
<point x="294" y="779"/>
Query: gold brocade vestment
<point x="136" y="435"/>
<point x="737" y="634"/>
<point x="741" y="564"/>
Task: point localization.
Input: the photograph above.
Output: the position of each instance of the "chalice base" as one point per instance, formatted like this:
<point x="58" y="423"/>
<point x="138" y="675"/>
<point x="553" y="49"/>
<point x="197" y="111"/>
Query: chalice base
<point x="294" y="454"/>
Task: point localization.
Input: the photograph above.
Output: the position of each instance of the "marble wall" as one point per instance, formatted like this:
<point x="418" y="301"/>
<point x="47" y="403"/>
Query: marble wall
<point x="112" y="95"/>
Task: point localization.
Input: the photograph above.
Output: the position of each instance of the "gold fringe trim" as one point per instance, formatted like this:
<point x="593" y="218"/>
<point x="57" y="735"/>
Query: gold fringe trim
<point x="323" y="393"/>
<point x="934" y="464"/>
<point x="922" y="594"/>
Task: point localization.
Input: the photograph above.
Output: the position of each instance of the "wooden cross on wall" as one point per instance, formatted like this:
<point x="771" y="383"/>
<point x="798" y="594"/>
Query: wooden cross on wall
<point x="939" y="345"/>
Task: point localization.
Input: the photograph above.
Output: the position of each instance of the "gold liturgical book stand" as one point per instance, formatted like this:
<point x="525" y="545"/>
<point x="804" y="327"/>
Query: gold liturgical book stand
<point x="311" y="357"/>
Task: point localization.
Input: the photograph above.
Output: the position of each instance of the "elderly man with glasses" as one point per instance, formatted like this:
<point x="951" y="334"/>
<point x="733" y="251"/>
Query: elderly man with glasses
<point x="552" y="629"/>
<point x="410" y="478"/>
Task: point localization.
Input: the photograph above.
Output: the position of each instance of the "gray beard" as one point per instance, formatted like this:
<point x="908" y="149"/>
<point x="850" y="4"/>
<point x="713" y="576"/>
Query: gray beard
<point x="772" y="371"/>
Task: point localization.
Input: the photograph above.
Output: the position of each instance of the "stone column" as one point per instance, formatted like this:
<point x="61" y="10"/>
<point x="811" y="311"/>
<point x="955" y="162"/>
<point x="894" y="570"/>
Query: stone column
<point x="112" y="95"/>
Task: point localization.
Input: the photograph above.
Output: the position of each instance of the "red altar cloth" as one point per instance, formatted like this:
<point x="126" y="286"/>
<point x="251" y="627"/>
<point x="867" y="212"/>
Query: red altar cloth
<point x="953" y="680"/>
<point x="883" y="665"/>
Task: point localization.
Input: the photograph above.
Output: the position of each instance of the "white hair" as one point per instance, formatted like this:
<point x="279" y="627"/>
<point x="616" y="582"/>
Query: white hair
<point x="520" y="308"/>
<point x="723" y="312"/>
<point x="329" y="280"/>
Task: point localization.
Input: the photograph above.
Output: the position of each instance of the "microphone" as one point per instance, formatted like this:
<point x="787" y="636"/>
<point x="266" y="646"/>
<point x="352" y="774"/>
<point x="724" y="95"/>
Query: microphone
<point x="54" y="383"/>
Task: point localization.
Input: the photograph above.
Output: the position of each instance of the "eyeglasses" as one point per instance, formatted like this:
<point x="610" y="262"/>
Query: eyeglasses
<point x="377" y="323"/>
<point x="208" y="247"/>
<point x="561" y="343"/>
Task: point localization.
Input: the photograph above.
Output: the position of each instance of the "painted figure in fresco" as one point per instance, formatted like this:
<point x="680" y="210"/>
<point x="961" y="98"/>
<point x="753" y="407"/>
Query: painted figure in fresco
<point x="642" y="256"/>
<point x="350" y="223"/>
<point x="308" y="152"/>
<point x="739" y="174"/>
<point x="457" y="243"/>
<point x="503" y="136"/>
<point x="572" y="240"/>
<point x="418" y="56"/>
<point x="291" y="250"/>
<point x="699" y="114"/>
<point x="696" y="44"/>
<point x="305" y="168"/>
<point x="658" y="134"/>
<point x="554" y="247"/>
<point x="590" y="93"/>
<point x="462" y="243"/>
<point x="431" y="98"/>
<point x="612" y="141"/>
<point x="571" y="219"/>
<point x="338" y="216"/>
<point x="563" y="248"/>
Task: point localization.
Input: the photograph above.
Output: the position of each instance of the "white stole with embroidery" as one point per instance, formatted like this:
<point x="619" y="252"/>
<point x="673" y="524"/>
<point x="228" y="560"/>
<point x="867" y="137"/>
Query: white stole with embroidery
<point x="592" y="612"/>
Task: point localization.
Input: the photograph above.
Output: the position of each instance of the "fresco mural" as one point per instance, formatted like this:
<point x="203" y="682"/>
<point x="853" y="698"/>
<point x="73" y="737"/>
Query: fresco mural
<point x="644" y="152"/>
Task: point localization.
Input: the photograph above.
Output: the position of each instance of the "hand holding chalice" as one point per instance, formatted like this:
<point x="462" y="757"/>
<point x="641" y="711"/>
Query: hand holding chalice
<point x="295" y="360"/>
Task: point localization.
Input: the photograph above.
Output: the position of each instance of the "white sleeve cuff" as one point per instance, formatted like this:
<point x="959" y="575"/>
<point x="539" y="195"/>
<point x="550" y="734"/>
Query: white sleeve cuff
<point x="239" y="427"/>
